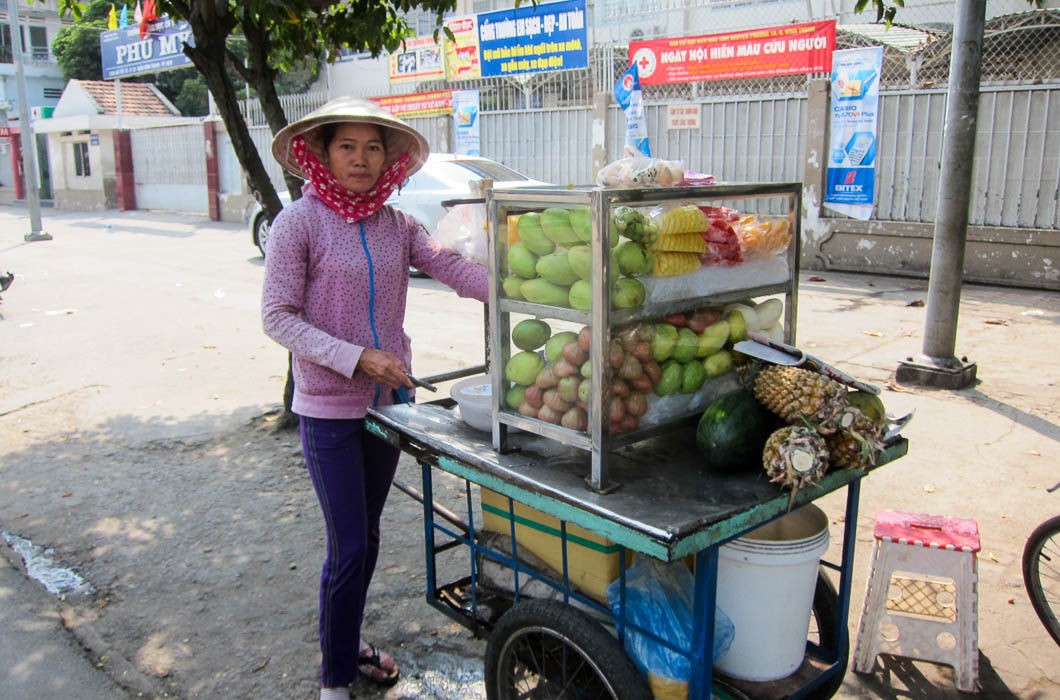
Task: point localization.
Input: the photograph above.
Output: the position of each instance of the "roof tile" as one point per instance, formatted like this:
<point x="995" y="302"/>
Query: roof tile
<point x="136" y="98"/>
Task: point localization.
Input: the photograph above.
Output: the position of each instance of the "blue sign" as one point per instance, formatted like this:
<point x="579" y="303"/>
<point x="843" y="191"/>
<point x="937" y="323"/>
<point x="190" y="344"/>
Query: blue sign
<point x="124" y="53"/>
<point x="533" y="38"/>
<point x="851" y="176"/>
<point x="465" y="123"/>
<point x="628" y="96"/>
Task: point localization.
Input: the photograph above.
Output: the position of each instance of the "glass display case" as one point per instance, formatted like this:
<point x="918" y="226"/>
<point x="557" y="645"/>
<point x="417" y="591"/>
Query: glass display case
<point x="613" y="312"/>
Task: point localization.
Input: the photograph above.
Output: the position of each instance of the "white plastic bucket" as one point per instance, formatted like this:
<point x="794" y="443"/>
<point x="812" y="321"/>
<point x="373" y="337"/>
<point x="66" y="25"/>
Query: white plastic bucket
<point x="766" y="582"/>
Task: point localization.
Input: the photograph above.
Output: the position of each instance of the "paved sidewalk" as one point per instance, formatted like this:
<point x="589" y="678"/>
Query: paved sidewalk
<point x="38" y="657"/>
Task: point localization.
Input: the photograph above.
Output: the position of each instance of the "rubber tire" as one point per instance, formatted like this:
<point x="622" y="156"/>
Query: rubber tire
<point x="1032" y="559"/>
<point x="826" y="613"/>
<point x="602" y="663"/>
<point x="261" y="232"/>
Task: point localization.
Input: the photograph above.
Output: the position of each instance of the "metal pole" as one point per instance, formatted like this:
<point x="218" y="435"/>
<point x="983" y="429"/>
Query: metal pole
<point x="941" y="367"/>
<point x="29" y="141"/>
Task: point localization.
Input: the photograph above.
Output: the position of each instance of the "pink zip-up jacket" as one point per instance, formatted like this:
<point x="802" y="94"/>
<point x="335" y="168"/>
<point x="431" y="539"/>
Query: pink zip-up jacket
<point x="318" y="299"/>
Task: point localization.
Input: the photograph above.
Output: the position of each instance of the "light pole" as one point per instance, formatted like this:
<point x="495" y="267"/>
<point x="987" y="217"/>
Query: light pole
<point x="29" y="141"/>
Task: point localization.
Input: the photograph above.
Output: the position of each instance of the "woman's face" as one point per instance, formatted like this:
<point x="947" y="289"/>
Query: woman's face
<point x="355" y="156"/>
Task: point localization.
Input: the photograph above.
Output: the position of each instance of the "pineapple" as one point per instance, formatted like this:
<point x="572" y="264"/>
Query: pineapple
<point x="856" y="444"/>
<point x="800" y="396"/>
<point x="795" y="456"/>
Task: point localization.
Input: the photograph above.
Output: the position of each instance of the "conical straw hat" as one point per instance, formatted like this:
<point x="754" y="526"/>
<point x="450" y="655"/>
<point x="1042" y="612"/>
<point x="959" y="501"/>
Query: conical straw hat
<point x="398" y="136"/>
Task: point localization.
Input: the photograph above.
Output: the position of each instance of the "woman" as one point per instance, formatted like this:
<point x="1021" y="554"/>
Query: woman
<point x="336" y="281"/>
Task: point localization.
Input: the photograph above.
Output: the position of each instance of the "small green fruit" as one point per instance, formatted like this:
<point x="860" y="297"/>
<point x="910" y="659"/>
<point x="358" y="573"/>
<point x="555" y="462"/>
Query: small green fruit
<point x="522" y="261"/>
<point x="523" y="367"/>
<point x="530" y="334"/>
<point x="581" y="296"/>
<point x="554" y="345"/>
<point x="514" y="396"/>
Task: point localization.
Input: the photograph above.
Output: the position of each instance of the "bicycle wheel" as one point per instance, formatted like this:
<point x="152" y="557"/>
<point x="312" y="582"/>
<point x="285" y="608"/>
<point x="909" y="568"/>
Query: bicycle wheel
<point x="545" y="649"/>
<point x="1041" y="573"/>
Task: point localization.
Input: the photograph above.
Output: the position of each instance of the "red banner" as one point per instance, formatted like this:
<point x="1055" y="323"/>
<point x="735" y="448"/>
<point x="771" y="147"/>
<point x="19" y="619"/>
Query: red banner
<point x="755" y="53"/>
<point x="420" y="104"/>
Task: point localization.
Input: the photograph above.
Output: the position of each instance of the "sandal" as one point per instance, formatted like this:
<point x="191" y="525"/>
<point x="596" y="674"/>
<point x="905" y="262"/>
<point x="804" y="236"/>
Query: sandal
<point x="370" y="664"/>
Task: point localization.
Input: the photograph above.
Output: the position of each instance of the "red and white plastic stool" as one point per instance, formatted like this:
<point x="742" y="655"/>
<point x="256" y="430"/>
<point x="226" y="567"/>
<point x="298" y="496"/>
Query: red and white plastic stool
<point x="921" y="601"/>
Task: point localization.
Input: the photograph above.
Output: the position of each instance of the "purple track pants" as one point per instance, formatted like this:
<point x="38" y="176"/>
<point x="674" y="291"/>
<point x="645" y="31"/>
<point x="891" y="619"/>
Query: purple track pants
<point x="351" y="471"/>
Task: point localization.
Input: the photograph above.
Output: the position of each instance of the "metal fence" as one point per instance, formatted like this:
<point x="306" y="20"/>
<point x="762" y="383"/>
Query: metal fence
<point x="169" y="167"/>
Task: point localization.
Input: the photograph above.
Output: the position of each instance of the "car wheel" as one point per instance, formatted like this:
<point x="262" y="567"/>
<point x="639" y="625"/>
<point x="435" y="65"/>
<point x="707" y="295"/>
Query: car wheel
<point x="261" y="232"/>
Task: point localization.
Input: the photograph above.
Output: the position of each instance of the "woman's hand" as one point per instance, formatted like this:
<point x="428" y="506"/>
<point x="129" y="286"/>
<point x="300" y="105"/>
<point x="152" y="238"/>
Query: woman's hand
<point x="384" y="368"/>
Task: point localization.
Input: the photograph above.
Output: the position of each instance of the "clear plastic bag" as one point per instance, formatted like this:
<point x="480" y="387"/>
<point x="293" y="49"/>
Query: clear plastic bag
<point x="641" y="171"/>
<point x="463" y="229"/>
<point x="659" y="599"/>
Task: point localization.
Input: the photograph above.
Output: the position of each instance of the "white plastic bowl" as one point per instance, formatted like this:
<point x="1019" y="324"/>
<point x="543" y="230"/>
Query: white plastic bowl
<point x="474" y="398"/>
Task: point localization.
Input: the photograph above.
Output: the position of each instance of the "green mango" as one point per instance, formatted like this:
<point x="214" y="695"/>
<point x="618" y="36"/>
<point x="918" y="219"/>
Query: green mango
<point x="713" y="338"/>
<point x="580" y="258"/>
<point x="541" y="291"/>
<point x="692" y="377"/>
<point x="555" y="222"/>
<point x="522" y="261"/>
<point x="511" y="285"/>
<point x="555" y="268"/>
<point x="718" y="364"/>
<point x="663" y="341"/>
<point x="530" y="334"/>
<point x="627" y="293"/>
<point x="554" y="345"/>
<point x="514" y="396"/>
<point x="582" y="222"/>
<point x="670" y="380"/>
<point x="737" y="325"/>
<point x="535" y="239"/>
<point x="523" y="367"/>
<point x="632" y="259"/>
<point x="686" y="346"/>
<point x="581" y="296"/>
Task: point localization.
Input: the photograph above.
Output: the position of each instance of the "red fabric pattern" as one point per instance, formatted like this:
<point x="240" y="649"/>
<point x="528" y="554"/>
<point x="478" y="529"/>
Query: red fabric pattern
<point x="354" y="206"/>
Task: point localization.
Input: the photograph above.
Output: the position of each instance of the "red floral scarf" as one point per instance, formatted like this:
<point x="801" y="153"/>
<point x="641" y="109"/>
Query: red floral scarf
<point x="353" y="206"/>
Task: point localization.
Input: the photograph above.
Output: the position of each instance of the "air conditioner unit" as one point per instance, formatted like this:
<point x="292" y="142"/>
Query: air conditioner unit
<point x="41" y="112"/>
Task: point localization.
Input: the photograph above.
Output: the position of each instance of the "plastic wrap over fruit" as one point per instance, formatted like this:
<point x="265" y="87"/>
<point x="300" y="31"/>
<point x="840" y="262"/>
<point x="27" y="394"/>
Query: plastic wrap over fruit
<point x="641" y="171"/>
<point x="763" y="235"/>
<point x="463" y="229"/>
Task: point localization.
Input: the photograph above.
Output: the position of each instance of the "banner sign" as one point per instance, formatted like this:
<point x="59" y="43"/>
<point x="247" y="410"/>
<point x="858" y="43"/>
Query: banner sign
<point x="628" y="95"/>
<point x="682" y="117"/>
<point x="465" y="123"/>
<point x="461" y="56"/>
<point x="419" y="58"/>
<point x="792" y="49"/>
<point x="851" y="179"/>
<point x="124" y="53"/>
<point x="533" y="38"/>
<point x="420" y="104"/>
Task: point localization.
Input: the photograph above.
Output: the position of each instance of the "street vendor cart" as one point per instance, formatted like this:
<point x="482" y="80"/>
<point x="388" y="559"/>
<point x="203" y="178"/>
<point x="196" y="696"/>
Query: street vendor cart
<point x="563" y="502"/>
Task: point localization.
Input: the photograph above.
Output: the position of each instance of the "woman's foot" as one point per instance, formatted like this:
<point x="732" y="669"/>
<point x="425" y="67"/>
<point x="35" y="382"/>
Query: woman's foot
<point x="377" y="666"/>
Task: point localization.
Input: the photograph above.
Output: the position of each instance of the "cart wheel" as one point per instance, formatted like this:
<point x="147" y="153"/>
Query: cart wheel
<point x="826" y="618"/>
<point x="545" y="649"/>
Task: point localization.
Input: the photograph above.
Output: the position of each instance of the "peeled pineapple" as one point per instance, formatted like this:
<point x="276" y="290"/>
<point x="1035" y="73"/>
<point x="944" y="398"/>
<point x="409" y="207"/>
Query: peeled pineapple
<point x="795" y="456"/>
<point x="800" y="396"/>
<point x="666" y="263"/>
<point x="857" y="442"/>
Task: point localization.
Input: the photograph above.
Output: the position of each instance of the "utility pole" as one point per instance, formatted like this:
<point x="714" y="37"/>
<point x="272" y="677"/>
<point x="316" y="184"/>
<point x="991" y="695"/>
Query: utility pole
<point x="938" y="366"/>
<point x="28" y="140"/>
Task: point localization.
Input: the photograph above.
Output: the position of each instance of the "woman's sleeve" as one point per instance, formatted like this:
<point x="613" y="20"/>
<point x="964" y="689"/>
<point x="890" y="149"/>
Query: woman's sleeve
<point x="283" y="299"/>
<point x="467" y="278"/>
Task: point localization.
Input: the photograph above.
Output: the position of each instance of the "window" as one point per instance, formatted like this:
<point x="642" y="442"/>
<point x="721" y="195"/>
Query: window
<point x="7" y="52"/>
<point x="81" y="164"/>
<point x="38" y="43"/>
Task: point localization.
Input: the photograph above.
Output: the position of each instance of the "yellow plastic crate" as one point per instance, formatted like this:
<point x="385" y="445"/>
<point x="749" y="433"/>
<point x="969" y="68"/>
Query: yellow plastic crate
<point x="592" y="561"/>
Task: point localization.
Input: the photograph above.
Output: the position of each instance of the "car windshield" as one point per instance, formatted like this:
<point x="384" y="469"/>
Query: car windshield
<point x="457" y="173"/>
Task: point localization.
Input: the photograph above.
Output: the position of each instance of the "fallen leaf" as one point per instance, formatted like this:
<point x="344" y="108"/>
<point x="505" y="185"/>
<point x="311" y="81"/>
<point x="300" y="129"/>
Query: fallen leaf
<point x="996" y="321"/>
<point x="1036" y="453"/>
<point x="929" y="488"/>
<point x="1011" y="601"/>
<point x="916" y="302"/>
<point x="991" y="557"/>
<point x="208" y="346"/>
<point x="815" y="278"/>
<point x="66" y="494"/>
<point x="874" y="334"/>
<point x="894" y="386"/>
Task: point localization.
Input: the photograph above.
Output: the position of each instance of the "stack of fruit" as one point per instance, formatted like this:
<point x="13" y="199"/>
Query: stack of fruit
<point x="556" y="387"/>
<point x="824" y="425"/>
<point x="550" y="262"/>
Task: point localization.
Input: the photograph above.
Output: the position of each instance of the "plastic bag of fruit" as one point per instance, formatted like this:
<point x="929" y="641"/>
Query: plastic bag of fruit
<point x="763" y="235"/>
<point x="463" y="229"/>
<point x="641" y="171"/>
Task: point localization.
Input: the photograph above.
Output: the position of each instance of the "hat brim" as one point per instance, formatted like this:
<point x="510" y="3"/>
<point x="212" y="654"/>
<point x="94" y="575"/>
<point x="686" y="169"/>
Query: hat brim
<point x="398" y="136"/>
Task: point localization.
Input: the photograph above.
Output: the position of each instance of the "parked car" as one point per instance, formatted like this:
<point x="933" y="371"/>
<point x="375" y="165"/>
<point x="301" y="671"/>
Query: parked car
<point x="443" y="177"/>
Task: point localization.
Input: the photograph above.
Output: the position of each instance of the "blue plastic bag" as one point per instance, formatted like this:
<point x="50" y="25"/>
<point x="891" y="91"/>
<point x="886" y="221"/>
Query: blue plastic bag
<point x="659" y="599"/>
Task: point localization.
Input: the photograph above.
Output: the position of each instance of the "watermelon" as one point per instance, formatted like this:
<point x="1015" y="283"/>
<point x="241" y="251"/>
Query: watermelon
<point x="732" y="432"/>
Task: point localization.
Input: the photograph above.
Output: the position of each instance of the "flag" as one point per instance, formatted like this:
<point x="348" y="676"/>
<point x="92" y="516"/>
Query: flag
<point x="628" y="96"/>
<point x="112" y="18"/>
<point x="123" y="18"/>
<point x="150" y="15"/>
<point x="138" y="14"/>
